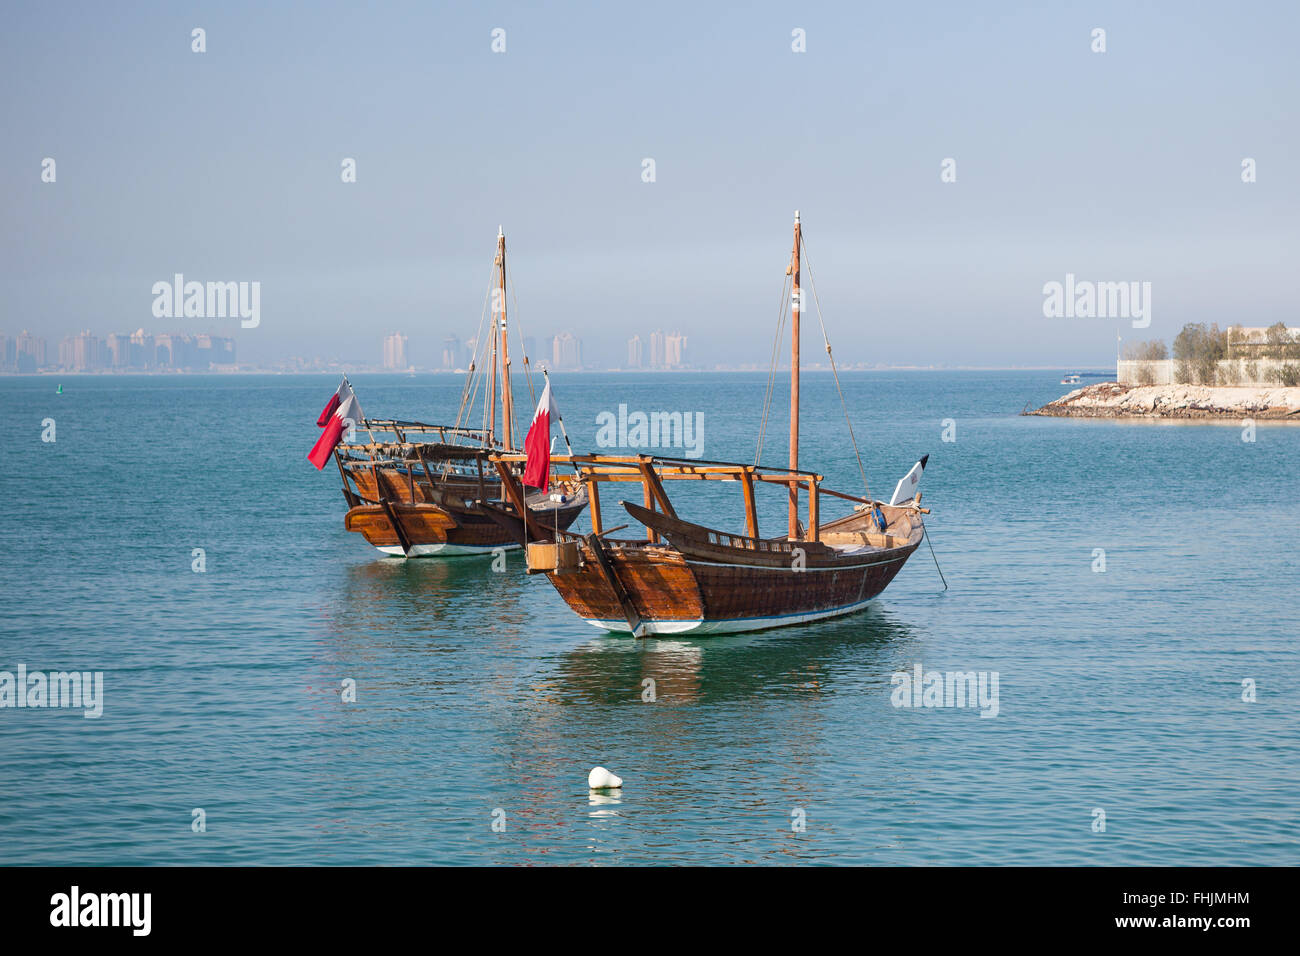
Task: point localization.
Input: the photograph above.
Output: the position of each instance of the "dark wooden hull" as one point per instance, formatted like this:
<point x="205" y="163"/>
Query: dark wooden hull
<point x="694" y="585"/>
<point x="413" y="519"/>
<point x="431" y="530"/>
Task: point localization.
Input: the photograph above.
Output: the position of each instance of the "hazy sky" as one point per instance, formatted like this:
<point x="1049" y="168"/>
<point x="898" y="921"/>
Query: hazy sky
<point x="225" y="165"/>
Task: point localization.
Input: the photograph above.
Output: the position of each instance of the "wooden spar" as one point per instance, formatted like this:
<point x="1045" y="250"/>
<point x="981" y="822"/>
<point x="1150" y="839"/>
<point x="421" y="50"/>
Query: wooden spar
<point x="751" y="511"/>
<point x="593" y="497"/>
<point x="514" y="490"/>
<point x="398" y="530"/>
<point x="648" y="498"/>
<point x="338" y="460"/>
<point x="814" y="511"/>
<point x="794" y="379"/>
<point x="655" y="487"/>
<point x="507" y="397"/>
<point x="840" y="494"/>
<point x="628" y="468"/>
<point x="428" y="474"/>
<point x="597" y="548"/>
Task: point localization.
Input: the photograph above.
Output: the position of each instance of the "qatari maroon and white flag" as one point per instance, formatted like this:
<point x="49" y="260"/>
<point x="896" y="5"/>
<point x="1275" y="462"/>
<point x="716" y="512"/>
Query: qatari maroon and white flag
<point x="341" y="412"/>
<point x="344" y="390"/>
<point x="537" y="470"/>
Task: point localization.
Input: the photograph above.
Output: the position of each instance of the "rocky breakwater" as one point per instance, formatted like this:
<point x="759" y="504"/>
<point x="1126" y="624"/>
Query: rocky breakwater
<point x="1112" y="400"/>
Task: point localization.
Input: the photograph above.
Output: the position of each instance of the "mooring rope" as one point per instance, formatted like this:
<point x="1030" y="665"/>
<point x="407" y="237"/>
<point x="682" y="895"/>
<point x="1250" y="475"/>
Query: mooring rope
<point x="925" y="533"/>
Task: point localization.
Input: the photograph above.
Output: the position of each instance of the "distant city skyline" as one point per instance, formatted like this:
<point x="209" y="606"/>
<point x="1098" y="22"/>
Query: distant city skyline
<point x="164" y="352"/>
<point x="118" y="351"/>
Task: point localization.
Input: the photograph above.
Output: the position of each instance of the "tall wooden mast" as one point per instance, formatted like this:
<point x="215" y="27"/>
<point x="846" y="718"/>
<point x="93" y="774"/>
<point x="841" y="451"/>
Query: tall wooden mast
<point x="507" y="396"/>
<point x="491" y="410"/>
<point x="794" y="378"/>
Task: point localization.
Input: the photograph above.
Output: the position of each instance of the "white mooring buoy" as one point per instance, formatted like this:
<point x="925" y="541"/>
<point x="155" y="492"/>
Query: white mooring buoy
<point x="602" y="779"/>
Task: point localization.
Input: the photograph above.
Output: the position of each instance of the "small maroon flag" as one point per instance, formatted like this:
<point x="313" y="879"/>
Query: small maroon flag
<point x="342" y="411"/>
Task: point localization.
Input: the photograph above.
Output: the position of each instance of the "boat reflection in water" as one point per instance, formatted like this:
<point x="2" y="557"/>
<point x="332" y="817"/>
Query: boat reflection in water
<point x="788" y="663"/>
<point x="740" y="715"/>
<point x="423" y="598"/>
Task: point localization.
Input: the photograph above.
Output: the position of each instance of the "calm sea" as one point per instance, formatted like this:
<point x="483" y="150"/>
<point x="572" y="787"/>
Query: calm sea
<point x="481" y="698"/>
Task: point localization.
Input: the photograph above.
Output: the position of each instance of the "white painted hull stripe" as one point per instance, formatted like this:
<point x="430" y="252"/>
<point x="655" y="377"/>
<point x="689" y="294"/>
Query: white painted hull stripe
<point x="730" y="625"/>
<point x="766" y="567"/>
<point x="446" y="550"/>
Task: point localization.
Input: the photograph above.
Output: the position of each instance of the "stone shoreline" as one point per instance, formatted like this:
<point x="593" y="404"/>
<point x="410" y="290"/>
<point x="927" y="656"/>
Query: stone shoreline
<point x="1112" y="400"/>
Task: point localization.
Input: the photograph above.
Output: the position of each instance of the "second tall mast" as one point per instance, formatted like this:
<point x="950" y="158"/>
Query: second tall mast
<point x="794" y="378"/>
<point x="507" y="397"/>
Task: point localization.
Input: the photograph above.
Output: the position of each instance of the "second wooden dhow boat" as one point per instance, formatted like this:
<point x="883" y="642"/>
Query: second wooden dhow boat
<point x="440" y="496"/>
<point x="418" y="490"/>
<point x="686" y="577"/>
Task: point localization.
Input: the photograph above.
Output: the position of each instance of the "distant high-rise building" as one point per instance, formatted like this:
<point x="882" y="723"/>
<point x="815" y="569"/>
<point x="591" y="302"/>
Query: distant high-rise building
<point x="451" y="353"/>
<point x="8" y="353"/>
<point x="657" y="348"/>
<point x="29" y="352"/>
<point x="634" y="352"/>
<point x="82" y="352"/>
<point x="143" y="352"/>
<point x="675" y="350"/>
<point x="169" y="350"/>
<point x="530" y="349"/>
<point x="119" y="350"/>
<point x="566" y="351"/>
<point x="395" y="351"/>
<point x="210" y="350"/>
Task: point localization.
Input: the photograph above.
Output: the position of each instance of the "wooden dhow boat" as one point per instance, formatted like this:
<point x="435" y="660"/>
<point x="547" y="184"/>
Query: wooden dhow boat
<point x="688" y="578"/>
<point x="441" y="497"/>
<point x="420" y="490"/>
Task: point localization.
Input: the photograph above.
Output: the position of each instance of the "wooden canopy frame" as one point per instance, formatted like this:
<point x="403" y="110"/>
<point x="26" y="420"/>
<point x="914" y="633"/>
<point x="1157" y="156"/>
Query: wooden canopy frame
<point x="651" y="471"/>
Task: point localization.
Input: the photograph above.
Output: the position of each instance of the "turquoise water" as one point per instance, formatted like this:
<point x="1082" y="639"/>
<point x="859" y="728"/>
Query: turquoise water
<point x="1119" y="691"/>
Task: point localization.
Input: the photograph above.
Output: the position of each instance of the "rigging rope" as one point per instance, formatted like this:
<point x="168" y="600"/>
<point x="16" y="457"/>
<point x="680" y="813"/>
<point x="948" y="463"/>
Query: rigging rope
<point x="467" y="398"/>
<point x="771" y="371"/>
<point x="523" y="350"/>
<point x="473" y="376"/>
<point x="825" y="338"/>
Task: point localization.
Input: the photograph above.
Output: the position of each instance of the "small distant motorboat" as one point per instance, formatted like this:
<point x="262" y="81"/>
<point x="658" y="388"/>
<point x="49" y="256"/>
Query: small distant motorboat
<point x="1071" y="380"/>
